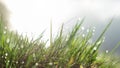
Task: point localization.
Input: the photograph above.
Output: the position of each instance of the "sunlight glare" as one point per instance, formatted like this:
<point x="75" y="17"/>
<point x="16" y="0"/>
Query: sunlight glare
<point x="33" y="16"/>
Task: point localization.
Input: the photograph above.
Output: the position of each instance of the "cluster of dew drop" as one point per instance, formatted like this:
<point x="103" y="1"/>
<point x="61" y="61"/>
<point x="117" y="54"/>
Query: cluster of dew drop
<point x="20" y="47"/>
<point x="36" y="64"/>
<point x="50" y="63"/>
<point x="6" y="54"/>
<point x="8" y="61"/>
<point x="87" y="30"/>
<point x="93" y="33"/>
<point x="83" y="28"/>
<point x="5" y="30"/>
<point x="5" y="57"/>
<point x="94" y="28"/>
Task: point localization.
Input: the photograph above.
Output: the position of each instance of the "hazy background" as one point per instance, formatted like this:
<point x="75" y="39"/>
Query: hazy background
<point x="31" y="17"/>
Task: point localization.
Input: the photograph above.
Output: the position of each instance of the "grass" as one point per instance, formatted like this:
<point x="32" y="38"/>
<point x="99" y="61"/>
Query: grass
<point x="71" y="50"/>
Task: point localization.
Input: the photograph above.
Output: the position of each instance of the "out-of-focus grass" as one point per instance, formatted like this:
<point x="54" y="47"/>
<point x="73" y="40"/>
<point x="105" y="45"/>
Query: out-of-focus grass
<point x="72" y="50"/>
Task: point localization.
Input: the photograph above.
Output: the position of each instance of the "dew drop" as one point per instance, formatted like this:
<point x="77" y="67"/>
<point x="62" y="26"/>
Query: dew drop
<point x="23" y="62"/>
<point x="2" y="56"/>
<point x="83" y="35"/>
<point x="93" y="30"/>
<point x="99" y="42"/>
<point x="5" y="57"/>
<point x="106" y="51"/>
<point x="103" y="40"/>
<point x="16" y="62"/>
<point x="5" y="27"/>
<point x="50" y="63"/>
<point x="36" y="64"/>
<point x="4" y="32"/>
<point x="8" y="40"/>
<point x="95" y="48"/>
<point x="22" y="46"/>
<point x="82" y="28"/>
<point x="6" y="54"/>
<point x="79" y="19"/>
<point x="8" y="61"/>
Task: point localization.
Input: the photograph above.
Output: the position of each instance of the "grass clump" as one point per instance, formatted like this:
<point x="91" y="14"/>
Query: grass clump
<point x="72" y="50"/>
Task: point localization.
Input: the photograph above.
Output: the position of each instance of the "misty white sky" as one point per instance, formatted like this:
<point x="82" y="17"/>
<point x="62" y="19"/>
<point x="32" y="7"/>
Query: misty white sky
<point x="35" y="15"/>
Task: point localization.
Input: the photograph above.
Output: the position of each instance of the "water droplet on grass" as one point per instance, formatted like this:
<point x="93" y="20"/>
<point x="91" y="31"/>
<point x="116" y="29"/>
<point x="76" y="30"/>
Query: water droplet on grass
<point x="50" y="63"/>
<point x="8" y="40"/>
<point x="16" y="62"/>
<point x="93" y="30"/>
<point x="4" y="32"/>
<point x="79" y="19"/>
<point x="103" y="39"/>
<point x="99" y="42"/>
<point x="5" y="27"/>
<point x="23" y="62"/>
<point x="82" y="28"/>
<point x="8" y="61"/>
<point x="83" y="35"/>
<point x="95" y="48"/>
<point x="2" y="56"/>
<point x="36" y="64"/>
<point x="106" y="51"/>
<point x="6" y="54"/>
<point x="5" y="57"/>
<point x="22" y="46"/>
